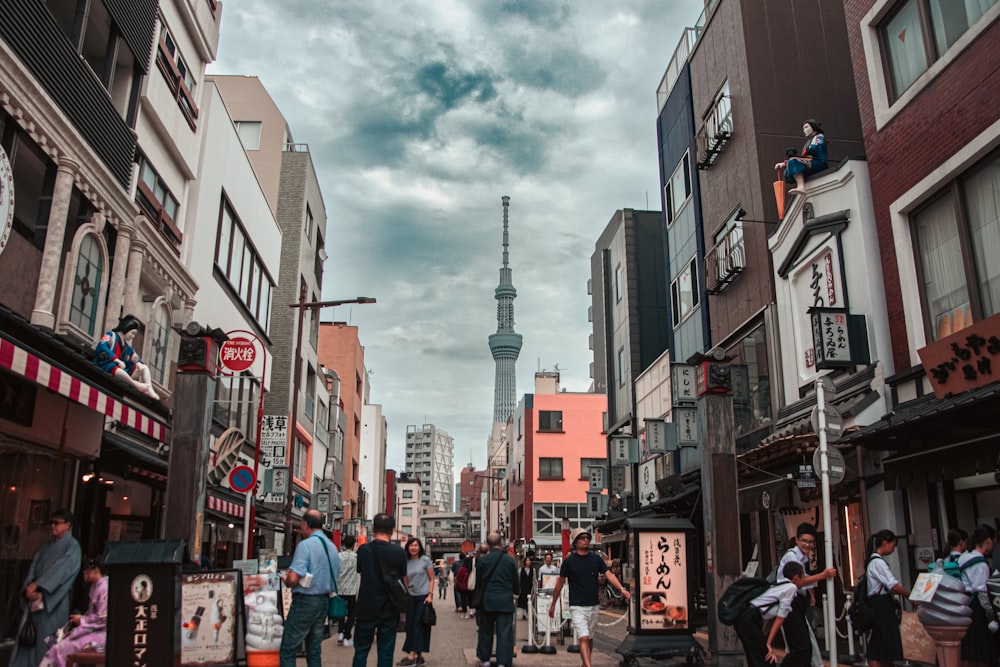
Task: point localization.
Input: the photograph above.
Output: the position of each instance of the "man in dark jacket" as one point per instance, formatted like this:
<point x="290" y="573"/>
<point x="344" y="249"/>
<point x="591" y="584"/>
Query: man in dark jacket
<point x="496" y="577"/>
<point x="372" y="611"/>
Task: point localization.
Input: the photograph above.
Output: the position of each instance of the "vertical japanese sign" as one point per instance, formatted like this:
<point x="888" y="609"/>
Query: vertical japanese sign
<point x="683" y="384"/>
<point x="141" y="614"/>
<point x="831" y="338"/>
<point x="687" y="426"/>
<point x="663" y="581"/>
<point x="208" y="618"/>
<point x="273" y="452"/>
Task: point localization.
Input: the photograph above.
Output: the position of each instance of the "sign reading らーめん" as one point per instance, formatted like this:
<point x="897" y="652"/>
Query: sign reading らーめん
<point x="964" y="360"/>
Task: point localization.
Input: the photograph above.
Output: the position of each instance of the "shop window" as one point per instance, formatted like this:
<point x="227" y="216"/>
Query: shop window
<point x="550" y="420"/>
<point x="957" y="238"/>
<point x="550" y="468"/>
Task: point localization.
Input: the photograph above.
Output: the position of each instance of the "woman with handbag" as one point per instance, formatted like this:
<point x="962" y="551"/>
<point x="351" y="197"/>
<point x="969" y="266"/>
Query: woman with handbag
<point x="526" y="576"/>
<point x="462" y="584"/>
<point x="420" y="585"/>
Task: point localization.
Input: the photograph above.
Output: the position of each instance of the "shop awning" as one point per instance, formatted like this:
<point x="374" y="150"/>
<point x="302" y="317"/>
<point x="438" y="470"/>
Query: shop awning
<point x="226" y="507"/>
<point x="61" y="380"/>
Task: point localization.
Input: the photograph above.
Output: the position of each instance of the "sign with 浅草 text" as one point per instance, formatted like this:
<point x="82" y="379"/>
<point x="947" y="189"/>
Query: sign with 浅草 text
<point x="964" y="360"/>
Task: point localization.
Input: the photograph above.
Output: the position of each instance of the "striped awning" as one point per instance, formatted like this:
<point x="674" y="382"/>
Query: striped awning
<point x="226" y="507"/>
<point x="66" y="383"/>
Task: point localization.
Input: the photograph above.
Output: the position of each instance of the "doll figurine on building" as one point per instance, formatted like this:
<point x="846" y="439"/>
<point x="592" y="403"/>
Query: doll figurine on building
<point x="115" y="355"/>
<point x="812" y="160"/>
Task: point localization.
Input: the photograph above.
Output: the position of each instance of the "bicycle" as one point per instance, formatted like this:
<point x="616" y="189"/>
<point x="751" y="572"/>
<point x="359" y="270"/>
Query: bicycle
<point x="610" y="597"/>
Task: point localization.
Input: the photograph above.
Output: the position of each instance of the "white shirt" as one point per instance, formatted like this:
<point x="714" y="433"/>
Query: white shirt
<point x="880" y="577"/>
<point x="776" y="600"/>
<point x="795" y="555"/>
<point x="974" y="577"/>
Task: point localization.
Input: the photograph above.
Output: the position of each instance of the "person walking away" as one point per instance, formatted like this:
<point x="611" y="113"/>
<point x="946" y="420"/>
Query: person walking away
<point x="798" y="632"/>
<point x="885" y="645"/>
<point x="957" y="544"/>
<point x="420" y="585"/>
<point x="462" y="584"/>
<point x="48" y="584"/>
<point x="979" y="646"/>
<point x="774" y="603"/>
<point x="499" y="580"/>
<point x="442" y="579"/>
<point x="314" y="569"/>
<point x="347" y="588"/>
<point x="547" y="569"/>
<point x="525" y="583"/>
<point x="90" y="630"/>
<point x="374" y="615"/>
<point x="455" y="567"/>
<point x="582" y="568"/>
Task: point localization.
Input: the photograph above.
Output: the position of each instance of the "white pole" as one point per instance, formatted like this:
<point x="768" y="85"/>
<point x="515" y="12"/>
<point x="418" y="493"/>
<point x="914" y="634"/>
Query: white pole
<point x="246" y="524"/>
<point x="830" y="619"/>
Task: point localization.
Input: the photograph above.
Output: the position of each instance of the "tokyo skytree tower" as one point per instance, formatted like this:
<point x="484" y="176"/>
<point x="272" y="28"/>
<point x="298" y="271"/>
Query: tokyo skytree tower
<point x="505" y="345"/>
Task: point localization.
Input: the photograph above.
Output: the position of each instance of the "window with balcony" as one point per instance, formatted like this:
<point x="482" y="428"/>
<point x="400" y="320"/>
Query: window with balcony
<point x="178" y="75"/>
<point x="550" y="468"/>
<point x="152" y="194"/>
<point x="550" y="420"/>
<point x="716" y="128"/>
<point x="677" y="191"/>
<point x="919" y="32"/>
<point x="957" y="238"/>
<point x="727" y="258"/>
<point x="684" y="293"/>
<point x="238" y="261"/>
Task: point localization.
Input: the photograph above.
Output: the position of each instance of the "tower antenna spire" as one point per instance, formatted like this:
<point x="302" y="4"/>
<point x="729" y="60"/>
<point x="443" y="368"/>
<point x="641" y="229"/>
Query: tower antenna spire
<point x="505" y="344"/>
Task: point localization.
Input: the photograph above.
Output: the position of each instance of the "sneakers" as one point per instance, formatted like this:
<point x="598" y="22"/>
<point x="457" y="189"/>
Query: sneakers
<point x="348" y="642"/>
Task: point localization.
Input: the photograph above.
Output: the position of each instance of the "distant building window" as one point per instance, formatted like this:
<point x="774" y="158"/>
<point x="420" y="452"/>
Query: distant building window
<point x="550" y="420"/>
<point x="238" y="260"/>
<point x="309" y="224"/>
<point x="677" y="191"/>
<point x="408" y="493"/>
<point x="550" y="468"/>
<point x="88" y="282"/>
<point x="180" y="80"/>
<point x="407" y="511"/>
<point x="301" y="460"/>
<point x="919" y="32"/>
<point x="684" y="293"/>
<point x="249" y="131"/>
<point x="619" y="279"/>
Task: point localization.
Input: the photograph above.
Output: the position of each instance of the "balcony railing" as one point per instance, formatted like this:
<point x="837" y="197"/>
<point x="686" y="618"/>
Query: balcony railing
<point x="725" y="261"/>
<point x="715" y="132"/>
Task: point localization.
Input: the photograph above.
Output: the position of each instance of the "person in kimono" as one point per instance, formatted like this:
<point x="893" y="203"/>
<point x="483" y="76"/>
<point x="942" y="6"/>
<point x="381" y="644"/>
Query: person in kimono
<point x="89" y="631"/>
<point x="811" y="161"/>
<point x="47" y="587"/>
<point x="115" y="355"/>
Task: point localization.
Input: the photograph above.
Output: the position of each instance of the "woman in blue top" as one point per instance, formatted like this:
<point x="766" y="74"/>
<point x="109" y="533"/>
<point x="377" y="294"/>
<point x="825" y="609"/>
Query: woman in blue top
<point x="811" y="161"/>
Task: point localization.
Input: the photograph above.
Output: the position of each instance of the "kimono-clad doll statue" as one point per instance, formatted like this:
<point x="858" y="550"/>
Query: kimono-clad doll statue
<point x="115" y="355"/>
<point x="811" y="161"/>
<point x="47" y="586"/>
<point x="89" y="631"/>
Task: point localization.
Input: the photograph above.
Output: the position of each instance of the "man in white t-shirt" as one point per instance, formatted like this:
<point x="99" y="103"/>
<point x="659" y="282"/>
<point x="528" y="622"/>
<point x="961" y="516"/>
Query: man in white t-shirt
<point x="550" y="569"/>
<point x="776" y="603"/>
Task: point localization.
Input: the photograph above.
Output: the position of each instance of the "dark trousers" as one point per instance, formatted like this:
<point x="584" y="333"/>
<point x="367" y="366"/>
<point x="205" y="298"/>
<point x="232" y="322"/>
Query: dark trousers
<point x="458" y="598"/>
<point x="466" y="600"/>
<point x="365" y="634"/>
<point x="502" y="624"/>
<point x="346" y="624"/>
<point x="418" y="635"/>
<point x="796" y="631"/>
<point x="749" y="628"/>
<point x="305" y="622"/>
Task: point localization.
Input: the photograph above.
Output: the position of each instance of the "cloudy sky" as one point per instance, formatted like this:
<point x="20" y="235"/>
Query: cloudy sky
<point x="419" y="116"/>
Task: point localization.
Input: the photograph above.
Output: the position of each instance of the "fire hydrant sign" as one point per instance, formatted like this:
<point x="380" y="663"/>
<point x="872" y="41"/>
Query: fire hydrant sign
<point x="237" y="354"/>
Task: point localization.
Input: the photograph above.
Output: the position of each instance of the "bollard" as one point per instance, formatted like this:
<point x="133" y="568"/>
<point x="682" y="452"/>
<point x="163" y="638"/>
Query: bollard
<point x="549" y="649"/>
<point x="530" y="646"/>
<point x="574" y="647"/>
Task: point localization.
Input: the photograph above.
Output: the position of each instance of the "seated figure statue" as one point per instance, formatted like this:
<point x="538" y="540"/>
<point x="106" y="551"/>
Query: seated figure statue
<point x="812" y="160"/>
<point x="115" y="355"/>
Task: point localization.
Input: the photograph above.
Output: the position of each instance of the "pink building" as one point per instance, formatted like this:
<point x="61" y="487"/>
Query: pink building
<point x="556" y="435"/>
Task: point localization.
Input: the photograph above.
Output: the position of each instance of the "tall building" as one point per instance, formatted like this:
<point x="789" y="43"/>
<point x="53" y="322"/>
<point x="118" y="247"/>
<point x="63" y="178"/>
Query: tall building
<point x="470" y="489"/>
<point x="505" y="345"/>
<point x="374" y="442"/>
<point x="430" y="456"/>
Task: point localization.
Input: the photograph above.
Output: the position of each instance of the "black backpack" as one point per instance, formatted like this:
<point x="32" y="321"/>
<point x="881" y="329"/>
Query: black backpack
<point x="736" y="599"/>
<point x="861" y="613"/>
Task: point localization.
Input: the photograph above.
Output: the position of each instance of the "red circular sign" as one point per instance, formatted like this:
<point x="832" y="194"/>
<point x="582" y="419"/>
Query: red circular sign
<point x="242" y="479"/>
<point x="237" y="354"/>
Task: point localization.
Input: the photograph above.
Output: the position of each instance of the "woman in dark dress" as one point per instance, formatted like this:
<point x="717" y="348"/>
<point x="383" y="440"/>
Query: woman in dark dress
<point x="885" y="645"/>
<point x="812" y="160"/>
<point x="526" y="580"/>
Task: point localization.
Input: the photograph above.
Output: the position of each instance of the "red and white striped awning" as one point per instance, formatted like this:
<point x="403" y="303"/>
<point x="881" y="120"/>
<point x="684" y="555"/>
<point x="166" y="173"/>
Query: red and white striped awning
<point x="62" y="381"/>
<point x="232" y="509"/>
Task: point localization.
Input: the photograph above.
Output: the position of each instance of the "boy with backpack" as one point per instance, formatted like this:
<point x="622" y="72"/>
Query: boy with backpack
<point x="798" y="633"/>
<point x="775" y="602"/>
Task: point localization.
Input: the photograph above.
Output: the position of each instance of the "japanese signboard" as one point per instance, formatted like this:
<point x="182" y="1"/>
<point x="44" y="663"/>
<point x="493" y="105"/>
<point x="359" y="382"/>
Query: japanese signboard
<point x="831" y="338"/>
<point x="687" y="426"/>
<point x="683" y="383"/>
<point x="656" y="436"/>
<point x="237" y="354"/>
<point x="662" y="579"/>
<point x="597" y="503"/>
<point x="815" y="281"/>
<point x="596" y="476"/>
<point x="209" y="617"/>
<point x="647" y="482"/>
<point x="141" y="608"/>
<point x="964" y="360"/>
<point x="623" y="451"/>
<point x="273" y="452"/>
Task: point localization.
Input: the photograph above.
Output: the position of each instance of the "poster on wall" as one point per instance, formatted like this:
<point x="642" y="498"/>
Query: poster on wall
<point x="663" y="581"/>
<point x="208" y="617"/>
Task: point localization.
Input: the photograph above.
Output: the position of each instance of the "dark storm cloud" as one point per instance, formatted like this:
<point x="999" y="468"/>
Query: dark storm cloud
<point x="555" y="68"/>
<point x="449" y="87"/>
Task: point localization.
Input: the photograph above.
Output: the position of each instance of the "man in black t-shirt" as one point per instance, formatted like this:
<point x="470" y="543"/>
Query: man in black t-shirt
<point x="373" y="613"/>
<point x="582" y="569"/>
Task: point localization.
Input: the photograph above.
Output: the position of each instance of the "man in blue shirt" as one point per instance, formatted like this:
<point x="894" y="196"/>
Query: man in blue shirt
<point x="315" y="566"/>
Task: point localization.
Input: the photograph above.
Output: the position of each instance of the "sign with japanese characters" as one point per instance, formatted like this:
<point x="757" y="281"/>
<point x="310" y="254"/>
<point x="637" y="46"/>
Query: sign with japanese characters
<point x="656" y="436"/>
<point x="964" y="360"/>
<point x="647" y="482"/>
<point x="273" y="452"/>
<point x="831" y="338"/>
<point x="209" y="617"/>
<point x="815" y="281"/>
<point x="683" y="384"/>
<point x="662" y="582"/>
<point x="141" y="608"/>
<point x="687" y="426"/>
<point x="621" y="451"/>
<point x="237" y="354"/>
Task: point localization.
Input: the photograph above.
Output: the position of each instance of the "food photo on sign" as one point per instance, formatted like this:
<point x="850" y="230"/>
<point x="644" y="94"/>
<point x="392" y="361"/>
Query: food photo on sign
<point x="208" y="618"/>
<point x="663" y="579"/>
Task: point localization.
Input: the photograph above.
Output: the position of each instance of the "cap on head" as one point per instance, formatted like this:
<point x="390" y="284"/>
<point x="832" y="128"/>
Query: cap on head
<point x="577" y="533"/>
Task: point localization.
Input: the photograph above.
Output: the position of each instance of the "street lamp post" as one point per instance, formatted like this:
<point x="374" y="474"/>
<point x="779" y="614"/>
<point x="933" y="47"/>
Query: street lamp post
<point x="303" y="306"/>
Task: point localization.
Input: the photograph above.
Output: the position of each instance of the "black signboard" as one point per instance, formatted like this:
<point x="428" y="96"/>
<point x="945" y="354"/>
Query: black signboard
<point x="142" y="614"/>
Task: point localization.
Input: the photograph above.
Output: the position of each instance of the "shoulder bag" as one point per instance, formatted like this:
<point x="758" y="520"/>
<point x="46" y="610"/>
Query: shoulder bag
<point x="395" y="590"/>
<point x="337" y="607"/>
<point x="480" y="591"/>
